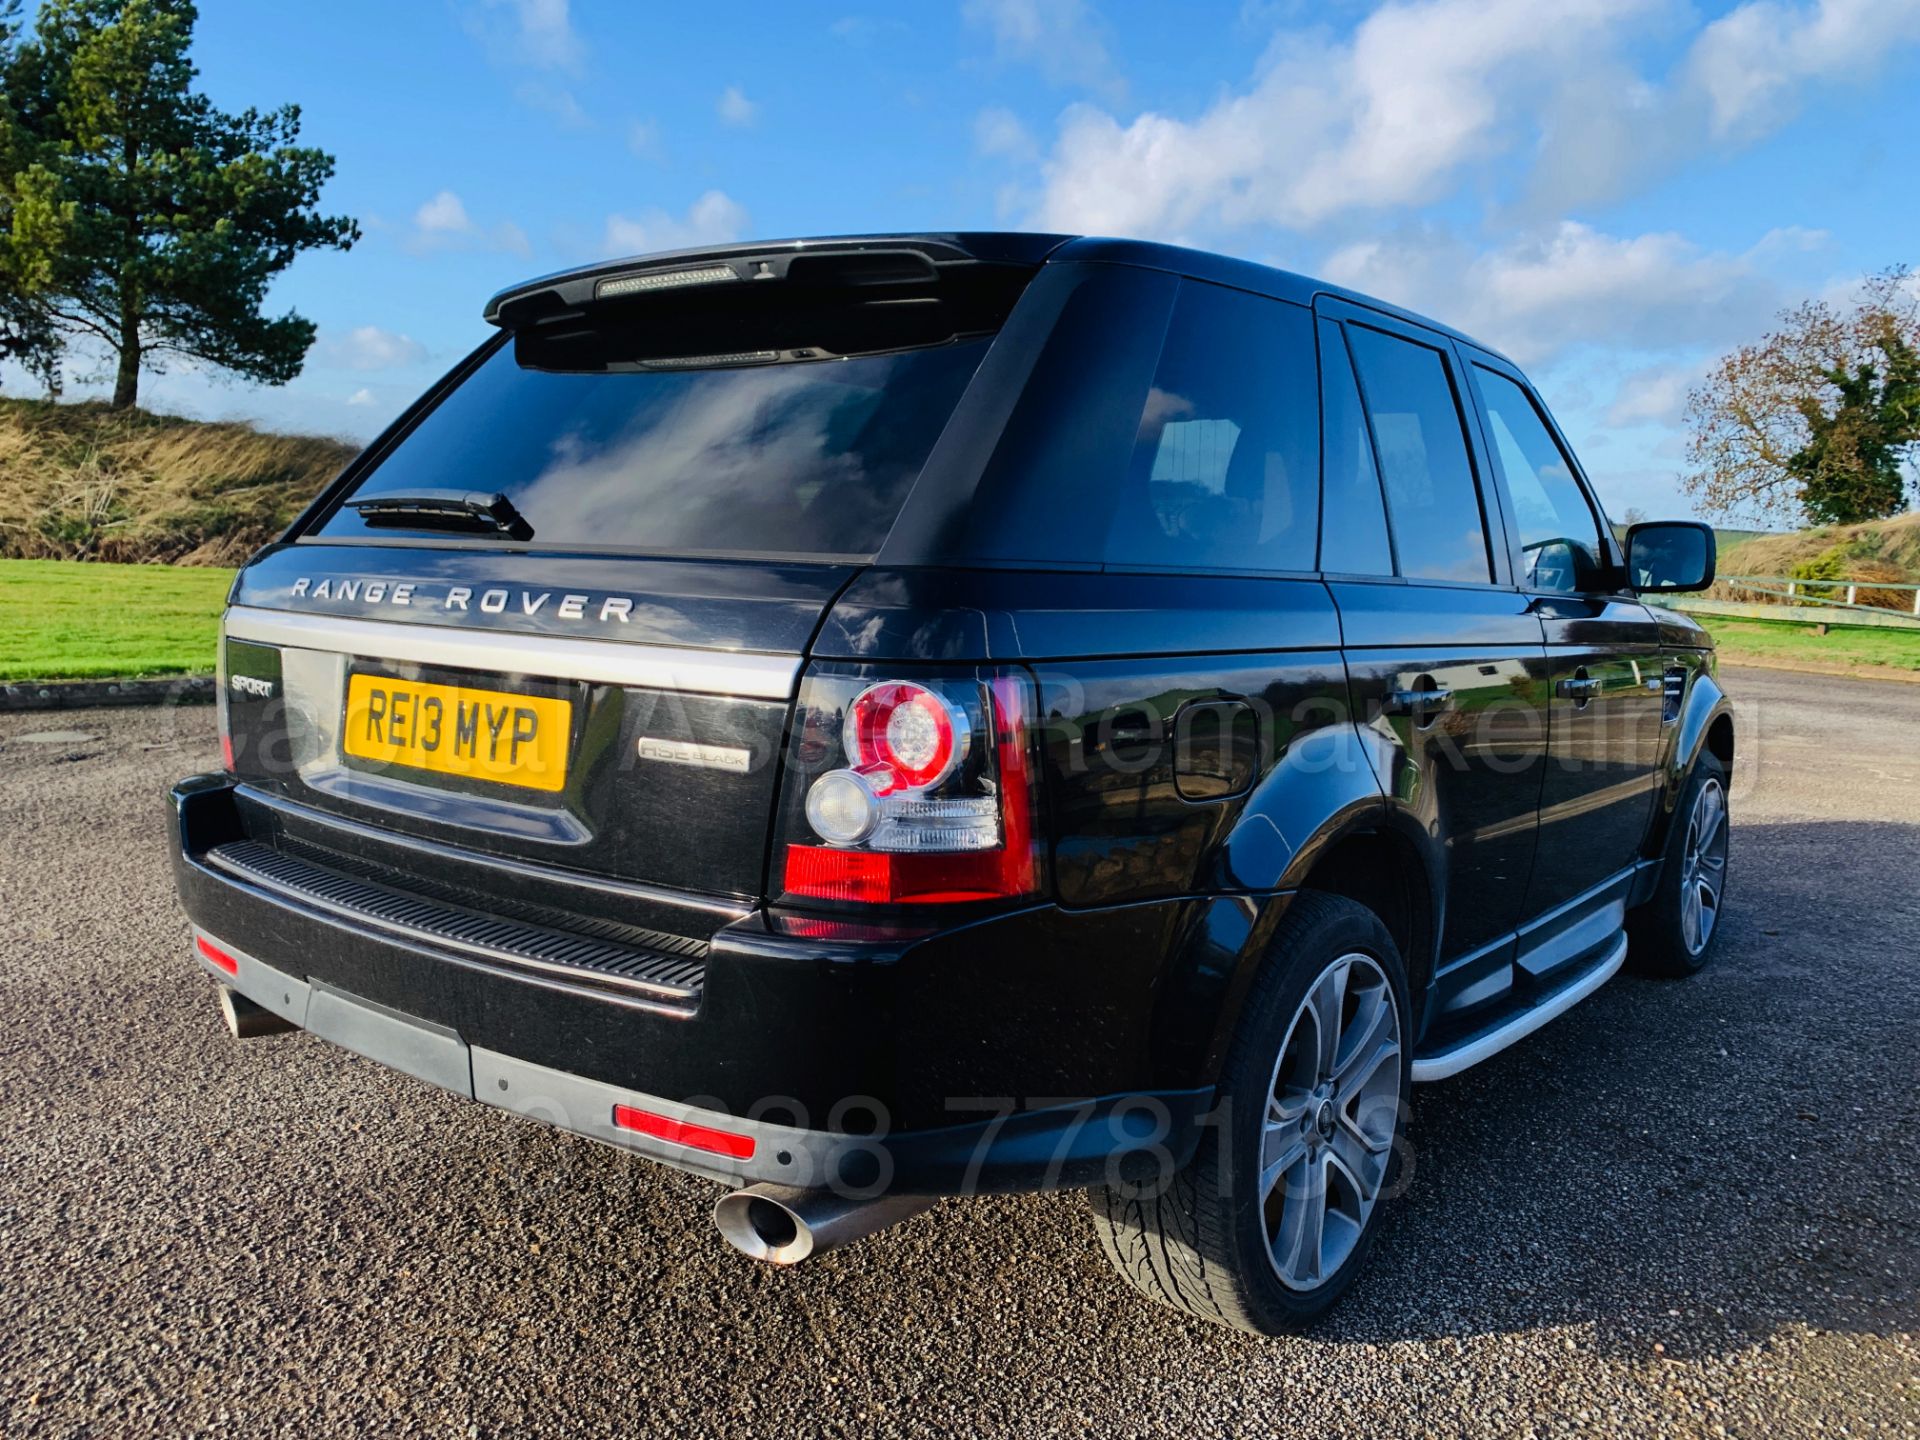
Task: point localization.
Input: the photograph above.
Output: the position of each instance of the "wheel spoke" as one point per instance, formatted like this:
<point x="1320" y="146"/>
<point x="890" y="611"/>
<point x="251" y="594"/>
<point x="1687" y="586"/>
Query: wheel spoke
<point x="1327" y="999"/>
<point x="1374" y="1110"/>
<point x="1364" y="1161"/>
<point x="1366" y="1044"/>
<point x="1281" y="1152"/>
<point x="1303" y="1219"/>
<point x="1712" y="815"/>
<point x="1293" y="1078"/>
<point x="1707" y="906"/>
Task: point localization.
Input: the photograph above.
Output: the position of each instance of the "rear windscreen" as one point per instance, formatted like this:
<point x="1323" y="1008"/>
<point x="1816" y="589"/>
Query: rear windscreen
<point x="806" y="457"/>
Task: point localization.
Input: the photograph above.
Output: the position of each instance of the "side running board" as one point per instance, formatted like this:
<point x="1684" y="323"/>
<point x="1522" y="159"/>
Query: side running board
<point x="1465" y="1054"/>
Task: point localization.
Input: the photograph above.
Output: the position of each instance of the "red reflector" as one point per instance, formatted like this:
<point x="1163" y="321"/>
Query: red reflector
<point x="876" y="877"/>
<point x="678" y="1132"/>
<point x="218" y="956"/>
<point x="226" y="752"/>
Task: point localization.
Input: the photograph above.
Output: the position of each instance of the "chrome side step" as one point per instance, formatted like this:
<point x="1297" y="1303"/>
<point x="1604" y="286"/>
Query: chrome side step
<point x="1475" y="1048"/>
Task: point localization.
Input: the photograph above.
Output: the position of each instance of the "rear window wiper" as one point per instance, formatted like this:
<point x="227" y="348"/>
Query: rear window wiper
<point x="464" y="510"/>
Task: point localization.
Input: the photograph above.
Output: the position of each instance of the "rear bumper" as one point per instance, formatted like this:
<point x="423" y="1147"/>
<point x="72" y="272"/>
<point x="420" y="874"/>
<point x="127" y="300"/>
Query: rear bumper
<point x="1029" y="1051"/>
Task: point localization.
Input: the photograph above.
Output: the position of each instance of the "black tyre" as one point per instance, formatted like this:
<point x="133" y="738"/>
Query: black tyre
<point x="1266" y="1227"/>
<point x="1674" y="933"/>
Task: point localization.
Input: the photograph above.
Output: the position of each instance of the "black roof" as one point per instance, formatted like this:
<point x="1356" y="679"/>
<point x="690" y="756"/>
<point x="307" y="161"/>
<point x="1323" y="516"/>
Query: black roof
<point x="1011" y="247"/>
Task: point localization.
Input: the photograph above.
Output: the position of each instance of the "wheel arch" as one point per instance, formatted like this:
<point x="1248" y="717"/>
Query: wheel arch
<point x="1706" y="726"/>
<point x="1362" y="848"/>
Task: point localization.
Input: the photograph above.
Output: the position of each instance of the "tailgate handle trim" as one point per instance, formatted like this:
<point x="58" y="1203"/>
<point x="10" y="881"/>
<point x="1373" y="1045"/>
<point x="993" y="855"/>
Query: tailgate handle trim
<point x="561" y="657"/>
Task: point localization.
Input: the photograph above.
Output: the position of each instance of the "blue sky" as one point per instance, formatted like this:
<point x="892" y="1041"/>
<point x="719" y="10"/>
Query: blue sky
<point x="1612" y="191"/>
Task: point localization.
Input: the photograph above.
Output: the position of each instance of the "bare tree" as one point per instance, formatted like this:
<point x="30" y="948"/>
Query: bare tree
<point x="1818" y="419"/>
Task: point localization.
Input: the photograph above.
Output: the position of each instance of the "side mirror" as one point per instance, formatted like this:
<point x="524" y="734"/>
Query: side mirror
<point x="1665" y="557"/>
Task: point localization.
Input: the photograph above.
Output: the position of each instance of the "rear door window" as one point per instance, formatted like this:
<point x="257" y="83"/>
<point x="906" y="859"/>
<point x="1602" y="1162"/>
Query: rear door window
<point x="1353" y="518"/>
<point x="1439" y="529"/>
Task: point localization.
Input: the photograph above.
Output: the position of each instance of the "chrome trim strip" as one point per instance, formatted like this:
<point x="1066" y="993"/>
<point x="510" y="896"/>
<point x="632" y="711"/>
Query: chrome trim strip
<point x="604" y="662"/>
<point x="574" y="880"/>
<point x="1452" y="1062"/>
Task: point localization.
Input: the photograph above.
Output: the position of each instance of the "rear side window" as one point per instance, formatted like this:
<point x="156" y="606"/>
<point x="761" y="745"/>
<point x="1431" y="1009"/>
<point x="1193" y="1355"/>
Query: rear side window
<point x="1224" y="473"/>
<point x="1167" y="423"/>
<point x="1353" y="519"/>
<point x="1439" y="530"/>
<point x="1559" y="537"/>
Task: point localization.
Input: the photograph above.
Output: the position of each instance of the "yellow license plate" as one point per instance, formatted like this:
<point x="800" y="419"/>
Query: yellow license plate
<point x="452" y="730"/>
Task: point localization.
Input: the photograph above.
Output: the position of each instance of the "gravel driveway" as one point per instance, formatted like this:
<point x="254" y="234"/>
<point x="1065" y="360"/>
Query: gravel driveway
<point x="1686" y="1208"/>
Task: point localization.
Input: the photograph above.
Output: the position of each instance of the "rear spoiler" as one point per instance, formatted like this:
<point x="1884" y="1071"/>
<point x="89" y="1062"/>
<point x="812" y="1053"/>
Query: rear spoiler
<point x="848" y="261"/>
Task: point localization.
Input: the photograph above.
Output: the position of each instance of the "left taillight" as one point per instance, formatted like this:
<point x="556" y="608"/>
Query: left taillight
<point x="910" y="789"/>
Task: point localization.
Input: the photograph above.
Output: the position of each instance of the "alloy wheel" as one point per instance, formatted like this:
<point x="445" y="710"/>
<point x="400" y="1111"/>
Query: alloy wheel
<point x="1333" y="1110"/>
<point x="1703" y="867"/>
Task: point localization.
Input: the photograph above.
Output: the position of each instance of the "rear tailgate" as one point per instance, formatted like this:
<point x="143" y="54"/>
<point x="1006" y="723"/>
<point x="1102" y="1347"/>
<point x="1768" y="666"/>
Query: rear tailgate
<point x="620" y="717"/>
<point x="557" y="615"/>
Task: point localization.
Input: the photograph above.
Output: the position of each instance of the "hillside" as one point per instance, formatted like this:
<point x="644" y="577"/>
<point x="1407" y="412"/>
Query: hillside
<point x="1885" y="550"/>
<point x="79" y="482"/>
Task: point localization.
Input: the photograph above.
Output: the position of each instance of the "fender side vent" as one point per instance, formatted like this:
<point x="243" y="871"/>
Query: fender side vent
<point x="1672" y="692"/>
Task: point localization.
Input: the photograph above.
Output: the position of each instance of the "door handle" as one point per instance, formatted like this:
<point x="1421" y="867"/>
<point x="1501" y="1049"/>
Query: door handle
<point x="1581" y="688"/>
<point x="1414" y="702"/>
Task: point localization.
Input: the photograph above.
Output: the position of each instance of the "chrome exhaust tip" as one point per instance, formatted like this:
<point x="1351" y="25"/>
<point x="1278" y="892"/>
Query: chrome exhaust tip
<point x="248" y="1021"/>
<point x="783" y="1224"/>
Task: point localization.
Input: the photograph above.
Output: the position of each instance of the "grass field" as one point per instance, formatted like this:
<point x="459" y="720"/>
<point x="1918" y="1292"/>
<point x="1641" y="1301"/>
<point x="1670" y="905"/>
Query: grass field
<point x="65" y="621"/>
<point x="1765" y="642"/>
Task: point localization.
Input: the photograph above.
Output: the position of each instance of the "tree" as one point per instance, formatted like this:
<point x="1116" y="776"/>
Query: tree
<point x="143" y="220"/>
<point x="26" y="335"/>
<point x="1817" y="420"/>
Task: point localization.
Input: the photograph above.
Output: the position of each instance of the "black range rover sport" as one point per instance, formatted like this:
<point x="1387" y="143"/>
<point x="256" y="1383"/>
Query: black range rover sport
<point x="871" y="719"/>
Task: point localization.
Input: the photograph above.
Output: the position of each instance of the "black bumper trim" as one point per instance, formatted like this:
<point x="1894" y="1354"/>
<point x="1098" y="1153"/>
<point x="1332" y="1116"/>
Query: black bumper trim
<point x="1076" y="1143"/>
<point x="583" y="959"/>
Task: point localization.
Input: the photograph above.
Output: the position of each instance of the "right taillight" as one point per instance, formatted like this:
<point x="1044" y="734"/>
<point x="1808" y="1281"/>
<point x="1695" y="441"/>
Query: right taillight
<point x="910" y="790"/>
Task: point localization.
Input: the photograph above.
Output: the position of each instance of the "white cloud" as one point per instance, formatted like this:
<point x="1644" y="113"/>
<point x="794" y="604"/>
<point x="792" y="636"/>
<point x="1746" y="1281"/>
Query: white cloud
<point x="442" y="223"/>
<point x="362" y="396"/>
<point x="1656" y="395"/>
<point x="444" y="214"/>
<point x="1542" y="295"/>
<point x="1386" y="119"/>
<point x="538" y="33"/>
<point x="713" y="219"/>
<point x="864" y="29"/>
<point x="1066" y="39"/>
<point x="1751" y="63"/>
<point x="368" y="347"/>
<point x="998" y="131"/>
<point x="554" y="101"/>
<point x="735" y="109"/>
<point x="1550" y="107"/>
<point x="643" y="139"/>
